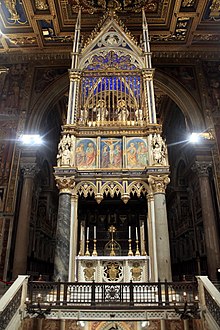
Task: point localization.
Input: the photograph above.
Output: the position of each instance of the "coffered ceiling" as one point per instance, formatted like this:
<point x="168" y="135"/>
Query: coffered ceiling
<point x="48" y="25"/>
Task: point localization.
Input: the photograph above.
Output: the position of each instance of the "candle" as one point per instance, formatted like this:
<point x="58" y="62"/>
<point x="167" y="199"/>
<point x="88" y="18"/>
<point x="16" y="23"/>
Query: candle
<point x="129" y="232"/>
<point x="136" y="234"/>
<point x="87" y="236"/>
<point x="81" y="233"/>
<point x="94" y="232"/>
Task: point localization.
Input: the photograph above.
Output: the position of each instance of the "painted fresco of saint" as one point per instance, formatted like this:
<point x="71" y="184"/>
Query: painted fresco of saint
<point x="86" y="153"/>
<point x="132" y="155"/>
<point x="117" y="156"/>
<point x="105" y="157"/>
<point x="137" y="153"/>
<point x="80" y="155"/>
<point x="90" y="154"/>
<point x="142" y="154"/>
<point x="111" y="153"/>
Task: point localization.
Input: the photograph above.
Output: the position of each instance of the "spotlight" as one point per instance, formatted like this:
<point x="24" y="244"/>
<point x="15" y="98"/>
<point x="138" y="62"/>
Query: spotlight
<point x="194" y="138"/>
<point x="81" y="324"/>
<point x="31" y="139"/>
<point x="145" y="324"/>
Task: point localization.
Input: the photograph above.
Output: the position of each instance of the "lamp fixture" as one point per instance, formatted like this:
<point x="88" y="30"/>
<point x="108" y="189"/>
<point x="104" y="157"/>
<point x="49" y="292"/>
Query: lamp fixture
<point x="197" y="137"/>
<point x="31" y="139"/>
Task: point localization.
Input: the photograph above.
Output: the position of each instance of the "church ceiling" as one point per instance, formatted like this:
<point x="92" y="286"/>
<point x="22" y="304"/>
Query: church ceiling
<point x="48" y="25"/>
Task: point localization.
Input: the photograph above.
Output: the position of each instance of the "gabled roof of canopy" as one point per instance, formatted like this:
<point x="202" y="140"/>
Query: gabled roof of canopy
<point x="111" y="36"/>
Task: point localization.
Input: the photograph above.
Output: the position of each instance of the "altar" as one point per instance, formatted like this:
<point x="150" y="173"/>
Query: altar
<point x="113" y="269"/>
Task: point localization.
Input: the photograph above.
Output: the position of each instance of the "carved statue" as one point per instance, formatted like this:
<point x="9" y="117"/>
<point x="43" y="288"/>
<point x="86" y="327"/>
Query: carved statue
<point x="139" y="114"/>
<point x="123" y="112"/>
<point x="65" y="156"/>
<point x="159" y="150"/>
<point x="101" y="111"/>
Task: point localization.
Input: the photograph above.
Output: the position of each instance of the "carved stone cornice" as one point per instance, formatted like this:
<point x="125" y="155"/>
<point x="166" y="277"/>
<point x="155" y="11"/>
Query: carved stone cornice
<point x="65" y="184"/>
<point x="201" y="168"/>
<point x="181" y="54"/>
<point x="39" y="57"/>
<point x="30" y="170"/>
<point x="158" y="183"/>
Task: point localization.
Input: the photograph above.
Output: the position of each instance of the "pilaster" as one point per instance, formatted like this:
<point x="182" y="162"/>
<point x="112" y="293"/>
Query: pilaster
<point x="209" y="221"/>
<point x="22" y="237"/>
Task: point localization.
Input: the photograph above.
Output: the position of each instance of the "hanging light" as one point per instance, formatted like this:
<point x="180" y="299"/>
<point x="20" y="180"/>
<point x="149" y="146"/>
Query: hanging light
<point x="31" y="139"/>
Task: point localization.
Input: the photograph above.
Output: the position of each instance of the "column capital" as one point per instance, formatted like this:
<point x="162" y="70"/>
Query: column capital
<point x="201" y="168"/>
<point x="158" y="183"/>
<point x="65" y="184"/>
<point x="30" y="170"/>
<point x="74" y="197"/>
<point x="150" y="196"/>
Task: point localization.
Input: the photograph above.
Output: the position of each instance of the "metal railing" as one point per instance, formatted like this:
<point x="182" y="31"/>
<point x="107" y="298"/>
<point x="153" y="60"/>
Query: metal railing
<point x="210" y="302"/>
<point x="12" y="304"/>
<point x="76" y="295"/>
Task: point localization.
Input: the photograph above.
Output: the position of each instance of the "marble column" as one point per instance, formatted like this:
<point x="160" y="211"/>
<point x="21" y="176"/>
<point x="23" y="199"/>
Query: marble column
<point x="186" y="324"/>
<point x="158" y="185"/>
<point x="62" y="249"/>
<point x="163" y="324"/>
<point x="73" y="238"/>
<point x="22" y="235"/>
<point x="209" y="220"/>
<point x="152" y="238"/>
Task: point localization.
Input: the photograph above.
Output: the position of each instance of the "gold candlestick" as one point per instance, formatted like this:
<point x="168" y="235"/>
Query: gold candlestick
<point x="112" y="253"/>
<point x="94" y="253"/>
<point x="130" y="253"/>
<point x="137" y="253"/>
<point x="80" y="248"/>
<point x="144" y="252"/>
<point x="87" y="248"/>
<point x="112" y="230"/>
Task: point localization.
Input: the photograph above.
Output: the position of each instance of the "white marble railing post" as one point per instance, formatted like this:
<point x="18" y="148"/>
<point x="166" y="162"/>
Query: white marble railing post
<point x="152" y="238"/>
<point x="73" y="238"/>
